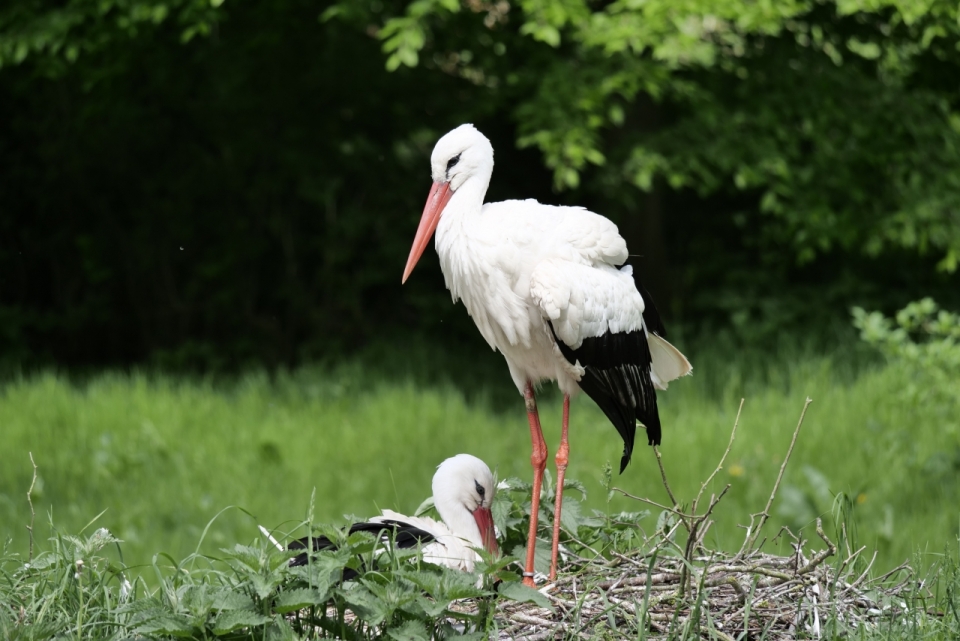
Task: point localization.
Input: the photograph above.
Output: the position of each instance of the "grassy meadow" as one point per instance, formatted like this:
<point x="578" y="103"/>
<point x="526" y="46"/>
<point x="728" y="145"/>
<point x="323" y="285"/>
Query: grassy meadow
<point x="162" y="456"/>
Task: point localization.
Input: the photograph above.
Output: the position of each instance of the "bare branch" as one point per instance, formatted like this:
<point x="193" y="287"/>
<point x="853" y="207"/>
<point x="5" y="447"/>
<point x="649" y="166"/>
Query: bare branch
<point x="650" y="502"/>
<point x="733" y="435"/>
<point x="752" y="539"/>
<point x="663" y="475"/>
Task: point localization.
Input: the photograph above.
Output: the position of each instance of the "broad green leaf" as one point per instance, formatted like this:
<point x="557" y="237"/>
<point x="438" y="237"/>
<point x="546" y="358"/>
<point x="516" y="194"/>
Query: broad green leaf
<point x="516" y="591"/>
<point x="409" y="631"/>
<point x="167" y="624"/>
<point x="231" y="599"/>
<point x="366" y="605"/>
<point x="236" y="619"/>
<point x="298" y="599"/>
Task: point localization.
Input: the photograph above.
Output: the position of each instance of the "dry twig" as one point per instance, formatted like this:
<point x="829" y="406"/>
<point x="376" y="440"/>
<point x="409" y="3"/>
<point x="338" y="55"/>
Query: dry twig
<point x="751" y="540"/>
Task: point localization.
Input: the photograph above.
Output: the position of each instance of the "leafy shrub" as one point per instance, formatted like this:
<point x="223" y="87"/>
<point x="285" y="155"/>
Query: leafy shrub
<point x="924" y="341"/>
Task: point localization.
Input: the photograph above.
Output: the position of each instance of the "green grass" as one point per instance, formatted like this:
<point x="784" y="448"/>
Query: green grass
<point x="162" y="456"/>
<point x="72" y="588"/>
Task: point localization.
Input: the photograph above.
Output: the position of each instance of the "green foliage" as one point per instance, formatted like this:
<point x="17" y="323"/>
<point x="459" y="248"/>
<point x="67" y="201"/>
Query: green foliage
<point x="921" y="337"/>
<point x="160" y="454"/>
<point x="922" y="342"/>
<point x="248" y="592"/>
<point x="834" y="116"/>
<point x="246" y="197"/>
<point x="59" y="35"/>
<point x="72" y="588"/>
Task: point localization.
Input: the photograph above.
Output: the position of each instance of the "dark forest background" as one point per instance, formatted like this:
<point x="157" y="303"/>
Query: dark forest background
<point x="210" y="186"/>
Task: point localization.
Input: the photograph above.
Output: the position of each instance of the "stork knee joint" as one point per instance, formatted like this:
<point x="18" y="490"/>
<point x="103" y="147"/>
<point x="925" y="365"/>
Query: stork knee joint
<point x="538" y="459"/>
<point x="562" y="457"/>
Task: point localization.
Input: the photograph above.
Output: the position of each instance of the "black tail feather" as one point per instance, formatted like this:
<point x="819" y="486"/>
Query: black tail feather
<point x="618" y="414"/>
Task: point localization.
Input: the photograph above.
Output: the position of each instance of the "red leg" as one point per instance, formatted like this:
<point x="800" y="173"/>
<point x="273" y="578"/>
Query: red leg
<point x="539" y="461"/>
<point x="563" y="453"/>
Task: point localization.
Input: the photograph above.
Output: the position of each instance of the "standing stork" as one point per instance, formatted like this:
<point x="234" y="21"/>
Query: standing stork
<point x="549" y="288"/>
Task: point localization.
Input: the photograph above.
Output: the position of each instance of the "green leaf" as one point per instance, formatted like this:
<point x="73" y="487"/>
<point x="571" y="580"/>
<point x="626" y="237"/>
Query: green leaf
<point x="541" y="555"/>
<point x="230" y="599"/>
<point x="543" y="32"/>
<point x="324" y="570"/>
<point x="432" y="608"/>
<point x="264" y="586"/>
<point x="570" y="515"/>
<point x="522" y="594"/>
<point x="235" y="619"/>
<point x="409" y="631"/>
<point x="366" y="605"/>
<point x="298" y="599"/>
<point x="446" y="584"/>
<point x="167" y="624"/>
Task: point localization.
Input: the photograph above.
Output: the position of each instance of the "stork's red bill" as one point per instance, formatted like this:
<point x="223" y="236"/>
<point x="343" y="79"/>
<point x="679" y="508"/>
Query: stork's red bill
<point x="550" y="288"/>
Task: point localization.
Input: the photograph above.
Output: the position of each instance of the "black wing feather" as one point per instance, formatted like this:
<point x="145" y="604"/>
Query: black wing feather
<point x="403" y="534"/>
<point x="617" y="378"/>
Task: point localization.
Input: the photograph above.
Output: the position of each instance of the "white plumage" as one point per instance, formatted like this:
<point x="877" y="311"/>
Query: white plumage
<point x="549" y="288"/>
<point x="463" y="491"/>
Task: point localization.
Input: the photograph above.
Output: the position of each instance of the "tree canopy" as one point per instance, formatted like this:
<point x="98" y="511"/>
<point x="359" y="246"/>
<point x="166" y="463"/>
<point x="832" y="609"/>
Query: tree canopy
<point x="214" y="183"/>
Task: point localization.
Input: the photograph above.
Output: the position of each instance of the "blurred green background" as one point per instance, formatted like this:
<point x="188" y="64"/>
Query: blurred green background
<point x="205" y="207"/>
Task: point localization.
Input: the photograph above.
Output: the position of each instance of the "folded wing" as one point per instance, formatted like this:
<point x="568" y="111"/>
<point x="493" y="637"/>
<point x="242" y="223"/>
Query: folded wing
<point x="596" y="313"/>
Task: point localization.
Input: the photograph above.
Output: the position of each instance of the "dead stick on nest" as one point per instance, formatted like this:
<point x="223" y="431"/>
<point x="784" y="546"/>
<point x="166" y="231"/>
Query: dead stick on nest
<point x="661" y="506"/>
<point x="752" y="537"/>
<point x="819" y="557"/>
<point x="663" y="475"/>
<point x="692" y="540"/>
<point x="688" y="519"/>
<point x="850" y="559"/>
<point x="733" y="435"/>
<point x="853" y="586"/>
<point x="749" y="569"/>
<point x="903" y="566"/>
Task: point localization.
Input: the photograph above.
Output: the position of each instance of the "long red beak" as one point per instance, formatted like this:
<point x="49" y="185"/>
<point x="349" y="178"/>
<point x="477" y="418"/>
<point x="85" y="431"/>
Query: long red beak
<point x="484" y="519"/>
<point x="439" y="196"/>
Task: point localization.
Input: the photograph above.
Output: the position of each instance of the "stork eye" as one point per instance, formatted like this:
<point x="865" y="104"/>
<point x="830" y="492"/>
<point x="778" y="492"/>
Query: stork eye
<point x="480" y="490"/>
<point x="453" y="161"/>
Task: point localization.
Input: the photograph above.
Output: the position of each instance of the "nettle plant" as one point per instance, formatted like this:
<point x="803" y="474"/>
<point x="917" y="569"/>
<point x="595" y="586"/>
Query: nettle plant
<point x="250" y="590"/>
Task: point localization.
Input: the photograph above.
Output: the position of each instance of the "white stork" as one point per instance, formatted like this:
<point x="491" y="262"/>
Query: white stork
<point x="549" y="288"/>
<point x="463" y="492"/>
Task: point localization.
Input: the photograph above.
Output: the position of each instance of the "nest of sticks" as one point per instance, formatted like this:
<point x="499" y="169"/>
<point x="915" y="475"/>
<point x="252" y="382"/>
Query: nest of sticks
<point x="714" y="596"/>
<point x="687" y="591"/>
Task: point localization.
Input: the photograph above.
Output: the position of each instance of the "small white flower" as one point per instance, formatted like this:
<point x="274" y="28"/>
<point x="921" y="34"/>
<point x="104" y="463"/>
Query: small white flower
<point x="125" y="589"/>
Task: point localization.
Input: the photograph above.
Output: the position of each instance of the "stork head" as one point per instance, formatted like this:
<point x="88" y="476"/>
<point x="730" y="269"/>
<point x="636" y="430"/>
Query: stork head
<point x="463" y="491"/>
<point x="460" y="155"/>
